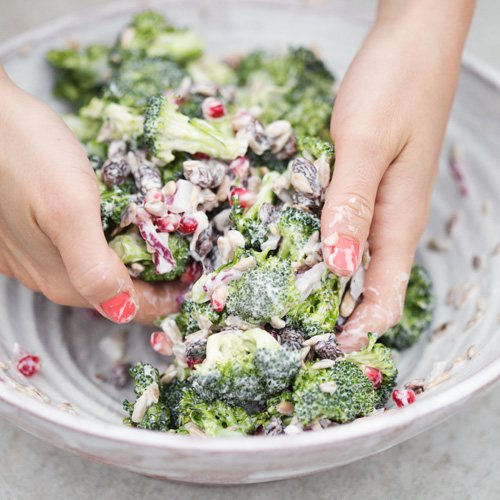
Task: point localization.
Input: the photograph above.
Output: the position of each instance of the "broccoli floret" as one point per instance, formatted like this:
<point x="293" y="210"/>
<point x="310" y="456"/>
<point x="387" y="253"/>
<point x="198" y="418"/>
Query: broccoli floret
<point x="417" y="312"/>
<point x="166" y="130"/>
<point x="187" y="320"/>
<point x="215" y="418"/>
<point x="130" y="247"/>
<point x="318" y="314"/>
<point x="172" y="395"/>
<point x="377" y="356"/>
<point x="113" y="202"/>
<point x="267" y="159"/>
<point x="120" y="122"/>
<point x="316" y="147"/>
<point x="81" y="74"/>
<point x="354" y="395"/>
<point x="244" y="367"/>
<point x="135" y="81"/>
<point x="157" y="415"/>
<point x="295" y="86"/>
<point x="264" y="292"/>
<point x="248" y="223"/>
<point x="208" y="69"/>
<point x="138" y="36"/>
<point x="296" y="226"/>
<point x="179" y="45"/>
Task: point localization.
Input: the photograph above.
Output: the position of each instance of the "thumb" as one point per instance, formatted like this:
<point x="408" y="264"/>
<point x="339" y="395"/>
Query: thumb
<point x="94" y="269"/>
<point x="349" y="206"/>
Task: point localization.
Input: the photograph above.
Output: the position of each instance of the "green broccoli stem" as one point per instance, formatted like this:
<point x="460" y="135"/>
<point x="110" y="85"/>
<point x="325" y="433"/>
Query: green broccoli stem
<point x="265" y="195"/>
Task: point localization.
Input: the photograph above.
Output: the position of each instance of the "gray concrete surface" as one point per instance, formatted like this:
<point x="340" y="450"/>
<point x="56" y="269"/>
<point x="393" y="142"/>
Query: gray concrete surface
<point x="458" y="459"/>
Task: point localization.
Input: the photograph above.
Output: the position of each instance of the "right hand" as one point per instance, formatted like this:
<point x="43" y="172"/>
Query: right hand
<point x="51" y="238"/>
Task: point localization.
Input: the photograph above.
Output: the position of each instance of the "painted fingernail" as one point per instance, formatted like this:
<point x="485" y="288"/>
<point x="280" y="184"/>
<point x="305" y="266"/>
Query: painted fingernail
<point x="120" y="309"/>
<point x="344" y="255"/>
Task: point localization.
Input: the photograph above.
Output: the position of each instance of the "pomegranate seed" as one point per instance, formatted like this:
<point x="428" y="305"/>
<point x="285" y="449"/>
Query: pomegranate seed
<point x="154" y="194"/>
<point x="20" y="351"/>
<point x="29" y="365"/>
<point x="240" y="167"/>
<point x="193" y="272"/>
<point x="375" y="376"/>
<point x="188" y="224"/>
<point x="161" y="343"/>
<point x="168" y="223"/>
<point x="192" y="362"/>
<point x="213" y="108"/>
<point x="218" y="297"/>
<point x="403" y="398"/>
<point x="246" y="198"/>
<point x="201" y="156"/>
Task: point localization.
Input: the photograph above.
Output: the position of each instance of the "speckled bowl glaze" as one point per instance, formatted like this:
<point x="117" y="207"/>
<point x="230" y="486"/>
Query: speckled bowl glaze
<point x="69" y="341"/>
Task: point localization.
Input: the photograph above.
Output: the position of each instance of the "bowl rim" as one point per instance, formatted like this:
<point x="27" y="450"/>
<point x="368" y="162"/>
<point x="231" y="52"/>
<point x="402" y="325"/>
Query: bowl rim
<point x="449" y="400"/>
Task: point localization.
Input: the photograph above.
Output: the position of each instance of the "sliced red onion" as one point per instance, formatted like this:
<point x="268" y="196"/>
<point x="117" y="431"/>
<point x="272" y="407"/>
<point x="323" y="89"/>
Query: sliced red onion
<point x="310" y="281"/>
<point x="162" y="257"/>
<point x="180" y="201"/>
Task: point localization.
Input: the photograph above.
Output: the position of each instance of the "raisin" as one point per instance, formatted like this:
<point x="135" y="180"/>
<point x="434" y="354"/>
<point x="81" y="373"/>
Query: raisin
<point x="328" y="349"/>
<point x="115" y="171"/>
<point x="197" y="350"/>
<point x="147" y="176"/>
<point x="292" y="339"/>
<point x="308" y="170"/>
<point x="274" y="427"/>
<point x="289" y="149"/>
<point x="206" y="174"/>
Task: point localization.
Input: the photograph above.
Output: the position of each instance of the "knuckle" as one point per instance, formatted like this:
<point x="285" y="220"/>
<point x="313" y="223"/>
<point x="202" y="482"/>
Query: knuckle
<point x="91" y="278"/>
<point x="354" y="210"/>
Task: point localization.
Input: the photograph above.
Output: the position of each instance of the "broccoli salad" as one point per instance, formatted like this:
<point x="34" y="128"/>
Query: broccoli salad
<point x="215" y="173"/>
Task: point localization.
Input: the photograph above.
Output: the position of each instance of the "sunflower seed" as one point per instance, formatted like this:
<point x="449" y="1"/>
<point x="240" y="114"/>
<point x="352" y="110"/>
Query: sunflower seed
<point x="322" y="364"/>
<point x="416" y="385"/>
<point x="439" y="244"/>
<point x="438" y="380"/>
<point x="452" y="222"/>
<point x="277" y="322"/>
<point x="477" y="262"/>
<point x="472" y="351"/>
<point x="285" y="408"/>
<point x="169" y="375"/>
<point x="458" y="360"/>
<point x="304" y="352"/>
<point x="317" y="338"/>
<point x="194" y="430"/>
<point x="66" y="407"/>
<point x="329" y="387"/>
<point x="347" y="306"/>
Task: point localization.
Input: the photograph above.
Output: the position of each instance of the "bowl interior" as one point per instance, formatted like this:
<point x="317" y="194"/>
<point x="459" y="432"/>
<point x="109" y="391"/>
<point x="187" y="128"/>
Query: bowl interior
<point x="79" y="367"/>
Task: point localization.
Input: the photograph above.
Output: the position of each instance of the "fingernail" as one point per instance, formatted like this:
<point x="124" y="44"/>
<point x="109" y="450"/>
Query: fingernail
<point x="344" y="255"/>
<point x="120" y="309"/>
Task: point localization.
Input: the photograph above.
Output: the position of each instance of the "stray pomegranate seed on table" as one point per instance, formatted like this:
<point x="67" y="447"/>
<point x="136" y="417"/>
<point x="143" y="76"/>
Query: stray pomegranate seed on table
<point x="29" y="365"/>
<point x="403" y="398"/>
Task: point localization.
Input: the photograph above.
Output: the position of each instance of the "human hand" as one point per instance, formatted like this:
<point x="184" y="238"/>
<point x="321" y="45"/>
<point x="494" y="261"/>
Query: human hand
<point x="388" y="125"/>
<point x="51" y="238"/>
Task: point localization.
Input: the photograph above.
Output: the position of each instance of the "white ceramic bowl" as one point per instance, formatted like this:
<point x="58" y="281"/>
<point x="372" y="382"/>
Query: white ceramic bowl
<point x="68" y="341"/>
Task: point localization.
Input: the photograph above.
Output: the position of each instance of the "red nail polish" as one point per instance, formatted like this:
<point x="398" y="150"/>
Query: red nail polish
<point x="344" y="255"/>
<point x="120" y="309"/>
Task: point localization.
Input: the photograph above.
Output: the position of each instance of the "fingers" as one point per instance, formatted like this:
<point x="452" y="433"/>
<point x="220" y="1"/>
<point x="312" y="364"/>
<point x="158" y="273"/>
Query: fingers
<point x="95" y="272"/>
<point x="350" y="200"/>
<point x="401" y="212"/>
<point x="157" y="300"/>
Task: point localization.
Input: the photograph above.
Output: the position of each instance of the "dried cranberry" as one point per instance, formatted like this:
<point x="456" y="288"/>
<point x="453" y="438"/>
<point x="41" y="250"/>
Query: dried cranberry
<point x="403" y="398"/>
<point x="188" y="224"/>
<point x="29" y="365"/>
<point x="193" y="272"/>
<point x="375" y="376"/>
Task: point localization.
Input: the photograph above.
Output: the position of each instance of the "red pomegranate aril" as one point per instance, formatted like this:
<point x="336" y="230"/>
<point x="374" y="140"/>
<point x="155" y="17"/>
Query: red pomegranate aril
<point x="246" y="198"/>
<point x="154" y="194"/>
<point x="240" y="167"/>
<point x="213" y="108"/>
<point x="161" y="343"/>
<point x="188" y="224"/>
<point x="375" y="376"/>
<point x="201" y="156"/>
<point x="193" y="272"/>
<point x="403" y="398"/>
<point x="168" y="223"/>
<point x="29" y="365"/>
<point x="192" y="362"/>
